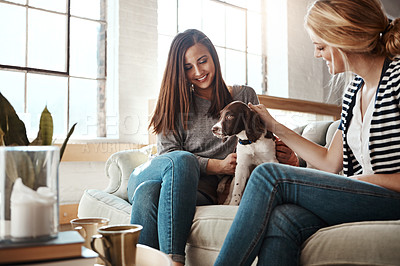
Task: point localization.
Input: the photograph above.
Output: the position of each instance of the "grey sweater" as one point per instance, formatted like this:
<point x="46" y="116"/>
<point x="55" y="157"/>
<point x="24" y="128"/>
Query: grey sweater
<point x="199" y="140"/>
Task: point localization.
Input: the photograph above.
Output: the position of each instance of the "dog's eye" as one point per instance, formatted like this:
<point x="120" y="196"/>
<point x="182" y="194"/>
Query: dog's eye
<point x="229" y="117"/>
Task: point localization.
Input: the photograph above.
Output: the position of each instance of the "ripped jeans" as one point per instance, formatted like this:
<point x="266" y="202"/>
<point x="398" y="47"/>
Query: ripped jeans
<point x="283" y="205"/>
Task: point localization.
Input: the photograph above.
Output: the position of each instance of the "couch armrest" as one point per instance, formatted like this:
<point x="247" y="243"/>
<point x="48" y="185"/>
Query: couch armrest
<point x="120" y="166"/>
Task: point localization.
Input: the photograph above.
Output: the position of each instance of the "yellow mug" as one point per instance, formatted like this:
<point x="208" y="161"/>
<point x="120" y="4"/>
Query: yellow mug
<point x="119" y="244"/>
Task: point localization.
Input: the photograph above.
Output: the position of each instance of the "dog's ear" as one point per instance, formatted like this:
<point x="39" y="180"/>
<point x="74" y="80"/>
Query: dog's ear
<point x="270" y="135"/>
<point x="253" y="125"/>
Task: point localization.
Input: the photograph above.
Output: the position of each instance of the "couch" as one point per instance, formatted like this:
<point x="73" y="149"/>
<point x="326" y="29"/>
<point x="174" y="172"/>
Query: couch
<point x="361" y="243"/>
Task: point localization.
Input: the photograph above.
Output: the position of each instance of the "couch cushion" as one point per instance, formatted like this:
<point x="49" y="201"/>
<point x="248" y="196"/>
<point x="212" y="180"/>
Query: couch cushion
<point x="362" y="243"/>
<point x="97" y="203"/>
<point x="209" y="229"/>
<point x="215" y="221"/>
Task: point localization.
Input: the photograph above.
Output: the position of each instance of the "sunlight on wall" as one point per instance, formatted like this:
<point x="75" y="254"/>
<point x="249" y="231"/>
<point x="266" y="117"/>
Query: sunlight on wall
<point x="277" y="48"/>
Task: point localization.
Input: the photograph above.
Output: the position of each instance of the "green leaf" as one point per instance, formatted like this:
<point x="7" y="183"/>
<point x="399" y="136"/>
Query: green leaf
<point x="45" y="134"/>
<point x="46" y="127"/>
<point x="66" y="140"/>
<point x="2" y="138"/>
<point x="12" y="127"/>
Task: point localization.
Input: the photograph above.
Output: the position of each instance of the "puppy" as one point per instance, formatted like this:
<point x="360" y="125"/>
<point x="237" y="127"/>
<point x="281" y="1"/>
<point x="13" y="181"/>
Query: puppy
<point x="255" y="145"/>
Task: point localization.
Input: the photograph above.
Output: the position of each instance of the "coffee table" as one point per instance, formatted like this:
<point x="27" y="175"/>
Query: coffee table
<point x="147" y="256"/>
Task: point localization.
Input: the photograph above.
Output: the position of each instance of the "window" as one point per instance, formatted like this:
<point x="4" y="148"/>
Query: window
<point x="54" y="55"/>
<point x="234" y="27"/>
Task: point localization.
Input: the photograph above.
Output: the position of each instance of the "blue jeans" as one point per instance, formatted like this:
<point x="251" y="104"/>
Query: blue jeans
<point x="163" y="195"/>
<point x="283" y="205"/>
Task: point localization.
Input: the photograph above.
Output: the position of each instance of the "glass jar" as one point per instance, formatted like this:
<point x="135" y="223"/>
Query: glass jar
<point x="29" y="193"/>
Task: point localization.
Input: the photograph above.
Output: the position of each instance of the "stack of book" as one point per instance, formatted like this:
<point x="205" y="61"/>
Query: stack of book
<point x="66" y="249"/>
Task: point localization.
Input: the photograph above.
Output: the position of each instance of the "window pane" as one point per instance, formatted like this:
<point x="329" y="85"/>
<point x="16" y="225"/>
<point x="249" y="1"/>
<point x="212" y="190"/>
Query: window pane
<point x="83" y="107"/>
<point x="189" y="15"/>
<point x="221" y="55"/>
<point x="53" y="5"/>
<point x="13" y="39"/>
<point x="254" y="72"/>
<point x="23" y="2"/>
<point x="164" y="43"/>
<point x="240" y="3"/>
<point x="235" y="28"/>
<point x="87" y="42"/>
<point x="46" y="40"/>
<point x="12" y="87"/>
<point x="50" y="91"/>
<point x="88" y="9"/>
<point x="235" y="67"/>
<point x="214" y="22"/>
<point x="254" y="5"/>
<point x="254" y="34"/>
<point x="167" y="17"/>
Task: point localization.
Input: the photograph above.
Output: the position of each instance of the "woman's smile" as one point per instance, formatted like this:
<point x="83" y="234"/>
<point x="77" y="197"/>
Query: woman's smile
<point x="203" y="78"/>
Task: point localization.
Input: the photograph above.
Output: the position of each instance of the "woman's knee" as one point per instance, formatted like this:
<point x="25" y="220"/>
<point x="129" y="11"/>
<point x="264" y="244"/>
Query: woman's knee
<point x="184" y="163"/>
<point x="270" y="167"/>
<point x="264" y="171"/>
<point x="146" y="195"/>
<point x="273" y="170"/>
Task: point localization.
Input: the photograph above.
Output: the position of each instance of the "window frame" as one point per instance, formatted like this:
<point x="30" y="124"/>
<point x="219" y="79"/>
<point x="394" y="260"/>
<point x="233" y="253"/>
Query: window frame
<point x="103" y="21"/>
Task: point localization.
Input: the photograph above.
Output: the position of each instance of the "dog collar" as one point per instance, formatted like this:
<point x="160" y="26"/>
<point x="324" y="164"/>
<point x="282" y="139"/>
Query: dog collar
<point x="245" y="141"/>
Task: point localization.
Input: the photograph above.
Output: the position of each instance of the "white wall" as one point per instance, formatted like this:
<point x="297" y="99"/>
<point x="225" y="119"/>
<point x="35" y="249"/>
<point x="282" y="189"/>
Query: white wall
<point x="305" y="71"/>
<point x="293" y="71"/>
<point x="276" y="48"/>
<point x="392" y="7"/>
<point x="137" y="67"/>
<point x="300" y="75"/>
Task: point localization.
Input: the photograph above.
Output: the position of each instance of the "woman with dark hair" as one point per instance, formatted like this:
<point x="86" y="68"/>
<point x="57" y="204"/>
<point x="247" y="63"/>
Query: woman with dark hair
<point x="165" y="191"/>
<point x="282" y="206"/>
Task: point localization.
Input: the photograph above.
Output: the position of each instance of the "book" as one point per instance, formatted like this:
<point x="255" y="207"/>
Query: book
<point x="88" y="258"/>
<point x="67" y="244"/>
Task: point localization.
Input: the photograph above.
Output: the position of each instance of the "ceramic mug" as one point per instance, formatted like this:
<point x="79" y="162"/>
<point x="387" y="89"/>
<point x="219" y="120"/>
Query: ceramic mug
<point x="87" y="227"/>
<point x="119" y="243"/>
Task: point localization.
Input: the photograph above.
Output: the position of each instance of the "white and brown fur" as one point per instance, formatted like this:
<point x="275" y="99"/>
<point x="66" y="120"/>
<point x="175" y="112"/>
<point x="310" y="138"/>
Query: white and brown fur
<point x="237" y="119"/>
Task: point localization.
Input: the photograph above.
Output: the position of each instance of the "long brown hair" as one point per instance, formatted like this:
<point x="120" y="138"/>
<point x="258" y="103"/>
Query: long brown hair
<point x="175" y="93"/>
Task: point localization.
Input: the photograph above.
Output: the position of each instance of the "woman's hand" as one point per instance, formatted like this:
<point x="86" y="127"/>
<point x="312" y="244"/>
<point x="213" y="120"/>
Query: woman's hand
<point x="265" y="116"/>
<point x="226" y="166"/>
<point x="284" y="154"/>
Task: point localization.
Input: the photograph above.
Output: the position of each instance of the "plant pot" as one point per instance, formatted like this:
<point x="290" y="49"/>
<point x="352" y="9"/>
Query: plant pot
<point x="29" y="193"/>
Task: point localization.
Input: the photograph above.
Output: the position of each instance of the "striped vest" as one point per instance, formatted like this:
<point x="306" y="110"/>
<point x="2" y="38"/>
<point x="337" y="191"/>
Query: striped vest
<point x="384" y="140"/>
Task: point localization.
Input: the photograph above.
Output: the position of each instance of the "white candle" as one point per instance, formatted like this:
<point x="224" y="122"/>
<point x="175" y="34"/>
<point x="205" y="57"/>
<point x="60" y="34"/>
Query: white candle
<point x="32" y="212"/>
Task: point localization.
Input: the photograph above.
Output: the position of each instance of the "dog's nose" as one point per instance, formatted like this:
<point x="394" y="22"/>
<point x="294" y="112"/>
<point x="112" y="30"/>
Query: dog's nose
<point x="215" y="129"/>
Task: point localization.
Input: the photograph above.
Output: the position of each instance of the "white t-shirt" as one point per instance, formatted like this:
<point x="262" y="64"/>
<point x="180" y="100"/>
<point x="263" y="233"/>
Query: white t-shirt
<point x="358" y="134"/>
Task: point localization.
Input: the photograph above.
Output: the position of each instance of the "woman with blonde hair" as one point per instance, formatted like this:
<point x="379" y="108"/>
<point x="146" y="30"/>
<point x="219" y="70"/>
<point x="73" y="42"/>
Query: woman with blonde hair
<point x="165" y="191"/>
<point x="282" y="205"/>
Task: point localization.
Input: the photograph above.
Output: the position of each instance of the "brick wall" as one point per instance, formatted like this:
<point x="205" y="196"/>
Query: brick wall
<point x="137" y="67"/>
